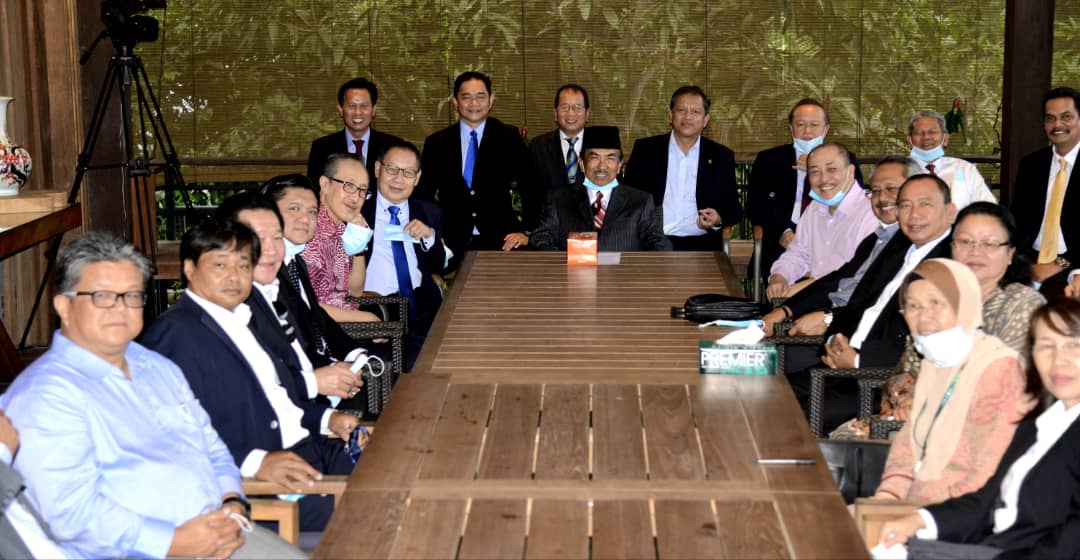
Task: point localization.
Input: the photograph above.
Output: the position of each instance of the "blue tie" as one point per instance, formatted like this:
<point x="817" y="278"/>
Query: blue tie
<point x="571" y="162"/>
<point x="470" y="158"/>
<point x="401" y="263"/>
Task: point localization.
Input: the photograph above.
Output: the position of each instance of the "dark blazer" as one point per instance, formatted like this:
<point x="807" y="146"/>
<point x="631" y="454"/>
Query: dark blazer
<point x="222" y="380"/>
<point x="1048" y="511"/>
<point x="647" y="170"/>
<point x="428" y="297"/>
<point x="772" y="197"/>
<point x="501" y="162"/>
<point x="884" y="343"/>
<point x="1028" y="203"/>
<point x="816" y="295"/>
<point x="549" y="162"/>
<point x="335" y="143"/>
<point x="630" y="222"/>
<point x="339" y="343"/>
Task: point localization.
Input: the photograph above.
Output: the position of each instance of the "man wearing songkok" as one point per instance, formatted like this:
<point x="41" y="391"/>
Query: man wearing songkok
<point x="256" y="403"/>
<point x="470" y="169"/>
<point x="1044" y="197"/>
<point x="778" y="193"/>
<point x="831" y="228"/>
<point x="119" y="456"/>
<point x="356" y="105"/>
<point x="692" y="178"/>
<point x="623" y="217"/>
<point x="928" y="139"/>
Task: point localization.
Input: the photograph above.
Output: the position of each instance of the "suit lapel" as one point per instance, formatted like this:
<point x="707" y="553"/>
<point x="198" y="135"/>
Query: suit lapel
<point x="219" y="332"/>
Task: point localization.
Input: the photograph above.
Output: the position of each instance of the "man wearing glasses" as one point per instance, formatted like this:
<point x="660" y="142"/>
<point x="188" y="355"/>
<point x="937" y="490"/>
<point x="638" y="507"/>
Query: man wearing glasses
<point x="556" y="155"/>
<point x="334" y="257"/>
<point x="407" y="250"/>
<point x="689" y="176"/>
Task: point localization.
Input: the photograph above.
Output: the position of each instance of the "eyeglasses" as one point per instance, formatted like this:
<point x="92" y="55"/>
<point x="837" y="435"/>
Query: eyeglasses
<point x="408" y="173"/>
<point x="891" y="191"/>
<point x="969" y="244"/>
<point x="351" y="188"/>
<point x="106" y="299"/>
<point x="694" y="113"/>
<point x="568" y="108"/>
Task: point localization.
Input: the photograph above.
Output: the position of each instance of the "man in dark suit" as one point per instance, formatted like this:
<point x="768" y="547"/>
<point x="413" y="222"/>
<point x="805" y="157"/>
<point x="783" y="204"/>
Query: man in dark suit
<point x="812" y="306"/>
<point x="691" y="177"/>
<point x="1044" y="196"/>
<point x="254" y="401"/>
<point x="556" y="155"/>
<point x="356" y="100"/>
<point x="406" y="251"/>
<point x="623" y="216"/>
<point x="470" y="167"/>
<point x="778" y="189"/>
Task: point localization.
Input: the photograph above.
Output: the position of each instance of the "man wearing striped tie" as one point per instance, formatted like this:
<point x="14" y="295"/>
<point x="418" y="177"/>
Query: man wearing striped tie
<point x="1041" y="199"/>
<point x="624" y="218"/>
<point x="556" y="155"/>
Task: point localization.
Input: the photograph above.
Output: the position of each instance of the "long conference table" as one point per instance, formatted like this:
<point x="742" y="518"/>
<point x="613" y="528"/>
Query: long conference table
<point x="557" y="412"/>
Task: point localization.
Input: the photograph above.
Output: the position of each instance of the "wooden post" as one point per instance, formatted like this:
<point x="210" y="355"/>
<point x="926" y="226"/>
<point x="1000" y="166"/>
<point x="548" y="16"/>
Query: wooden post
<point x="1029" y="44"/>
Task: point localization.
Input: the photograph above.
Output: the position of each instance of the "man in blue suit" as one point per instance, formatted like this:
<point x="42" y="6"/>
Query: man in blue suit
<point x="406" y="251"/>
<point x="255" y="401"/>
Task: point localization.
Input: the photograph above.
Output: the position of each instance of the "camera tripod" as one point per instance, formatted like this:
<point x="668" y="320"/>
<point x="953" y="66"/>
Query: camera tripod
<point x="127" y="74"/>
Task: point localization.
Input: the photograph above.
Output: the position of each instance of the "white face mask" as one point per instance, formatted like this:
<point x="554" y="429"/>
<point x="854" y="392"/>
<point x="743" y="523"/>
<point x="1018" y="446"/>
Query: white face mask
<point x="946" y="348"/>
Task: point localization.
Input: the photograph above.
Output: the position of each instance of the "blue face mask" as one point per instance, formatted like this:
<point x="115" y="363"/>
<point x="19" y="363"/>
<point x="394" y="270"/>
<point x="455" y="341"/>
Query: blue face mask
<point x="356" y="238"/>
<point x="803" y="147"/>
<point x="593" y="186"/>
<point x="292" y="249"/>
<point x="927" y="155"/>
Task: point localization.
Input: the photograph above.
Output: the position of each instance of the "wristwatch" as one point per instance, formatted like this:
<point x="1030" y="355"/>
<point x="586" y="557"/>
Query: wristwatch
<point x="1062" y="262"/>
<point x="241" y="501"/>
<point x="828" y="318"/>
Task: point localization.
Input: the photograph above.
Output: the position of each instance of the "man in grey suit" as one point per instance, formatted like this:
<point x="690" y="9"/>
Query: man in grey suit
<point x="624" y="217"/>
<point x="556" y="155"/>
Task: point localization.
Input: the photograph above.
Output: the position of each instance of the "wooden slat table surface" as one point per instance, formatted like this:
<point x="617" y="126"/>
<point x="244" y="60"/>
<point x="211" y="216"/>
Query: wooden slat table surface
<point x="531" y="314"/>
<point x="515" y="462"/>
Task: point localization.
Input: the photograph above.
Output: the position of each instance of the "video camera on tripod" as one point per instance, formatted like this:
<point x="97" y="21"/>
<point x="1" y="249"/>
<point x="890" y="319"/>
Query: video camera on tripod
<point x="124" y="23"/>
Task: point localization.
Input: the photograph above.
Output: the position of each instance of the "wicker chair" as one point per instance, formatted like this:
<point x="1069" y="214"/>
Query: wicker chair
<point x="817" y="392"/>
<point x="379" y="387"/>
<point x="880" y="428"/>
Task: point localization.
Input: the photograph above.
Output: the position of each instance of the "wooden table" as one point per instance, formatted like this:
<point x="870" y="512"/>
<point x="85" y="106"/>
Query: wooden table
<point x="29" y="229"/>
<point x="507" y="442"/>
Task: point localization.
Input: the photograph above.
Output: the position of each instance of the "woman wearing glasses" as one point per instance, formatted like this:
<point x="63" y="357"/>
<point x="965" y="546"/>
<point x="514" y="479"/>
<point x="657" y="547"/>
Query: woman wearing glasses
<point x="1029" y="507"/>
<point x="969" y="394"/>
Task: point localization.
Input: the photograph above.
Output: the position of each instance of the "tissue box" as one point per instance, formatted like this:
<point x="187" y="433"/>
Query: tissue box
<point x="581" y="248"/>
<point x="738" y="359"/>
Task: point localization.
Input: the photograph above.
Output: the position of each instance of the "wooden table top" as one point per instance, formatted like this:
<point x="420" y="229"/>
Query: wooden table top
<point x="531" y="314"/>
<point x="516" y="462"/>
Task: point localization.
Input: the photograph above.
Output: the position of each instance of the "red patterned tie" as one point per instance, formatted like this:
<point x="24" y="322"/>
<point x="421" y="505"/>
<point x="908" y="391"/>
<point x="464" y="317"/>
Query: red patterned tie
<point x="360" y="149"/>
<point x="598" y="211"/>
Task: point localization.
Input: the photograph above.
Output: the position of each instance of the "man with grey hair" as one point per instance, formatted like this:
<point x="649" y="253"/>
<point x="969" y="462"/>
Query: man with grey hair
<point x="812" y="307"/>
<point x="927" y="138"/>
<point x="118" y="455"/>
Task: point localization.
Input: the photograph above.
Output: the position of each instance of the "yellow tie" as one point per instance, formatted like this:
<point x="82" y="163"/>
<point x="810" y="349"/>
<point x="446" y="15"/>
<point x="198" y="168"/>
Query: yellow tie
<point x="1048" y="252"/>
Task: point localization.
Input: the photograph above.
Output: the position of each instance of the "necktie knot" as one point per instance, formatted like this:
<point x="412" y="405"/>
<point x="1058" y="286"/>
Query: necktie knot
<point x="572" y="141"/>
<point x="394" y="214"/>
<point x="930" y="167"/>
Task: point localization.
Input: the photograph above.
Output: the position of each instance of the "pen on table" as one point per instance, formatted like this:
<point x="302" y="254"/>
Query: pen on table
<point x="785" y="461"/>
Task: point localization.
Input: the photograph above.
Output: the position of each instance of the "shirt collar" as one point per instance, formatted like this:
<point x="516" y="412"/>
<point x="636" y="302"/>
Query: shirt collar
<point x="326" y="222"/>
<point x="1069" y="157"/>
<point x="920" y="252"/>
<point x="365" y="137"/>
<point x="91" y="364"/>
<point x="577" y="143"/>
<point x="887" y="231"/>
<point x="269" y="291"/>
<point x="466" y="129"/>
<point x="239" y="317"/>
<point x="1055" y="420"/>
<point x="674" y="145"/>
<point x="381" y="205"/>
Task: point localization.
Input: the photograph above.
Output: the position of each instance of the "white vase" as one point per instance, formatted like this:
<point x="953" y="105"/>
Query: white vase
<point x="15" y="161"/>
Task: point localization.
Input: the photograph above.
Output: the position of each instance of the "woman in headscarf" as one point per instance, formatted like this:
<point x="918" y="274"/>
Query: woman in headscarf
<point x="1029" y="507"/>
<point x="969" y="395"/>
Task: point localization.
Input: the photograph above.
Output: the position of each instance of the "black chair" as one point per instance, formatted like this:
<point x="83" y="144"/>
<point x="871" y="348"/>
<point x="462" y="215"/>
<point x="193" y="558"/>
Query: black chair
<point x="379" y="388"/>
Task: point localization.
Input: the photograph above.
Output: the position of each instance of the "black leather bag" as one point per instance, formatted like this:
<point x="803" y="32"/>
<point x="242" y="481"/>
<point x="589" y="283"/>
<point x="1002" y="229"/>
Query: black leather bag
<point x="703" y="308"/>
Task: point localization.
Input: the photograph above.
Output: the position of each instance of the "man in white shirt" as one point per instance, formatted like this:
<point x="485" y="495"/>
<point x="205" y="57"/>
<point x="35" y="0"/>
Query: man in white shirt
<point x="928" y="139"/>
<point x="255" y="402"/>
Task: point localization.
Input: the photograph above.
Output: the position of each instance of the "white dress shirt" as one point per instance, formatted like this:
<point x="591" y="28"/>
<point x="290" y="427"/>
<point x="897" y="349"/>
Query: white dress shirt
<point x="564" y="142"/>
<point x="1049" y="427"/>
<point x="270" y="292"/>
<point x="966" y="184"/>
<point x="1055" y="165"/>
<point x="680" y="192"/>
<point x="235" y="325"/>
<point x="914" y="256"/>
<point x="381" y="275"/>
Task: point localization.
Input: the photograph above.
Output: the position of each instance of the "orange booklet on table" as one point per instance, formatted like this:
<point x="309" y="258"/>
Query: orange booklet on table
<point x="581" y="247"/>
